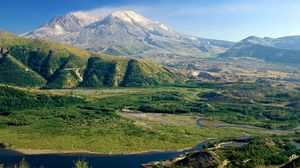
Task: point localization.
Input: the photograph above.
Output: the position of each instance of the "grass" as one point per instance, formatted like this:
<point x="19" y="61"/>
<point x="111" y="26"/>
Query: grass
<point x="15" y="73"/>
<point x="112" y="134"/>
<point x="260" y="151"/>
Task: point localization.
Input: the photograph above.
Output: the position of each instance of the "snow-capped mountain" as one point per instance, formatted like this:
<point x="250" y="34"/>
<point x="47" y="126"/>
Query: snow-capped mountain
<point x="62" y="25"/>
<point x="125" y="33"/>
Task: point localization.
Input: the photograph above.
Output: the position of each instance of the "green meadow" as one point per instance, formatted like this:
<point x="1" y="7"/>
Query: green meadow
<point x="126" y="120"/>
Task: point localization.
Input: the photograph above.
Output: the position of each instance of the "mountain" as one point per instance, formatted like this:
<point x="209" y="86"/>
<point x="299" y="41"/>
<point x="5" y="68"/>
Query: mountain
<point x="127" y="33"/>
<point x="281" y="50"/>
<point x="40" y="63"/>
<point x="289" y="42"/>
<point x="68" y="24"/>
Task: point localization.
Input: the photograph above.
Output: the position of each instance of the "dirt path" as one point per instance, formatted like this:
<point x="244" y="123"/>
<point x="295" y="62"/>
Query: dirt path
<point x="160" y="117"/>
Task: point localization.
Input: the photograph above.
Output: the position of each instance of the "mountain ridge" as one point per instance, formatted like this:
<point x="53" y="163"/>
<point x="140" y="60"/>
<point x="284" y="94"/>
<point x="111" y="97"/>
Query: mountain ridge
<point x="62" y="66"/>
<point x="274" y="50"/>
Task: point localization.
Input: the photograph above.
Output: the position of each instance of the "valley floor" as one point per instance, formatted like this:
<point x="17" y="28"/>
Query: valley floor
<point x="131" y="133"/>
<point x="124" y="120"/>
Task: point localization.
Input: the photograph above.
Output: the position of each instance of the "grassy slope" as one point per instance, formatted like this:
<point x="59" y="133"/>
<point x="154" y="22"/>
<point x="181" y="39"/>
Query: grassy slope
<point x="9" y="40"/>
<point x="142" y="73"/>
<point x="15" y="73"/>
<point x="65" y="67"/>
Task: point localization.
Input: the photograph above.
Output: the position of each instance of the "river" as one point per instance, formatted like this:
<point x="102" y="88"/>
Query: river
<point x="297" y="145"/>
<point x="8" y="157"/>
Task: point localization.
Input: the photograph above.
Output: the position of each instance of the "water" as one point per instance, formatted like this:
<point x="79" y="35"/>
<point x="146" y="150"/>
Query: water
<point x="8" y="157"/>
<point x="297" y="145"/>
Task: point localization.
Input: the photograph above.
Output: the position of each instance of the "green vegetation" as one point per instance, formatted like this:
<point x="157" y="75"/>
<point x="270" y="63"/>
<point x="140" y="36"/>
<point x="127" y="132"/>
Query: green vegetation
<point x="100" y="73"/>
<point x="13" y="99"/>
<point x="258" y="104"/>
<point x="141" y="73"/>
<point x="113" y="120"/>
<point x="252" y="152"/>
<point x="29" y="62"/>
<point x="81" y="164"/>
<point x="86" y="121"/>
<point x="15" y="73"/>
<point x="203" y="159"/>
<point x="259" y="152"/>
<point x="92" y="120"/>
<point x="71" y="129"/>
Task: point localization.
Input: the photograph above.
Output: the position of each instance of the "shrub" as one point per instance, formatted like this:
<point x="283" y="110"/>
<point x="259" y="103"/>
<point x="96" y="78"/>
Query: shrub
<point x="81" y="164"/>
<point x="22" y="164"/>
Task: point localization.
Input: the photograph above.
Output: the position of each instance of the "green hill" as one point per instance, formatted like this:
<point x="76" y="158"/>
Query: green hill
<point x="146" y="74"/>
<point x="15" y="73"/>
<point x="62" y="66"/>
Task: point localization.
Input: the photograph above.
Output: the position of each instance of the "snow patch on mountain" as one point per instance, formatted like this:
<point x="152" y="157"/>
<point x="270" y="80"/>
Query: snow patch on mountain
<point x="131" y="17"/>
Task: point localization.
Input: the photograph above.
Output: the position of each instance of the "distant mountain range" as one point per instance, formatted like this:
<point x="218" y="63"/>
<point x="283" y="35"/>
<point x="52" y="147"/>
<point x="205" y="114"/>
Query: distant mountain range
<point x="125" y="33"/>
<point x="279" y="50"/>
<point x="39" y="63"/>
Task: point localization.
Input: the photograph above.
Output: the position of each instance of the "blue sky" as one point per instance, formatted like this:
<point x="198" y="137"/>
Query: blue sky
<point x="219" y="19"/>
